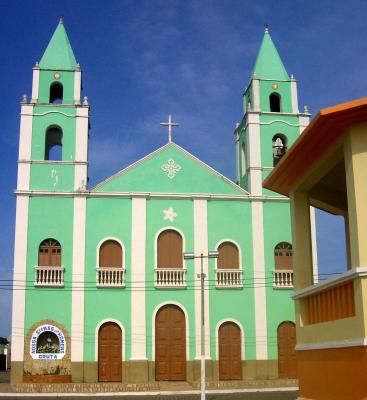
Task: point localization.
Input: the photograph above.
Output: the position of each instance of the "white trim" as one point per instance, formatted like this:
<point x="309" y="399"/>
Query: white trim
<point x="25" y="132"/>
<point x="138" y="273"/>
<point x="259" y="276"/>
<point x="24" y="174"/>
<point x="116" y="240"/>
<point x="52" y="112"/>
<point x="238" y="249"/>
<point x="303" y="123"/>
<point x="154" y="315"/>
<point x="117" y="322"/>
<point x="19" y="278"/>
<point x="173" y="228"/>
<point x="237" y="154"/>
<point x="77" y="86"/>
<point x="81" y="146"/>
<point x="256" y="94"/>
<point x="35" y="84"/>
<point x="254" y="154"/>
<point x="294" y="96"/>
<point x="77" y="296"/>
<point x="159" y="150"/>
<point x="80" y="177"/>
<point x="219" y="324"/>
<point x="279" y="120"/>
<point x="315" y="266"/>
<point x="52" y="162"/>
<point x="336" y="344"/>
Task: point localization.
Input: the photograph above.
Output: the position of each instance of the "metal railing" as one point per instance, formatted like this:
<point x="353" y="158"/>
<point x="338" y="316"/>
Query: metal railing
<point x="170" y="277"/>
<point x="49" y="276"/>
<point x="229" y="278"/>
<point x="283" y="278"/>
<point x="110" y="277"/>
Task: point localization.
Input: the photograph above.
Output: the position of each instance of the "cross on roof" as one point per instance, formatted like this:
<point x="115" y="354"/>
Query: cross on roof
<point x="170" y="124"/>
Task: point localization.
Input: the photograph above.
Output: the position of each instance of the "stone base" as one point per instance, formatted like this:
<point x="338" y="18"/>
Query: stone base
<point x="47" y="378"/>
<point x="16" y="372"/>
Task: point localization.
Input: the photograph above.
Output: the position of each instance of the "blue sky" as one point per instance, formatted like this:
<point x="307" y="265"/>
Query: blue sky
<point x="144" y="59"/>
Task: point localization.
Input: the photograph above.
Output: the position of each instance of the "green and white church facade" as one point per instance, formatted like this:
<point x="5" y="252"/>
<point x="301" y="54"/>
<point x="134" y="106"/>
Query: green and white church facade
<point x="101" y="289"/>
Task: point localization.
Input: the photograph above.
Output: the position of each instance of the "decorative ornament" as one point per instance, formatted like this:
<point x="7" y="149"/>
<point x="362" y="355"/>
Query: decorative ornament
<point x="170" y="214"/>
<point x="57" y="75"/>
<point x="171" y="168"/>
<point x="274" y="86"/>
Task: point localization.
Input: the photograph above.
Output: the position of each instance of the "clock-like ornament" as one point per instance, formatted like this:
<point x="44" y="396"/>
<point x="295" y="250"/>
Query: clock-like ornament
<point x="57" y="75"/>
<point x="274" y="86"/>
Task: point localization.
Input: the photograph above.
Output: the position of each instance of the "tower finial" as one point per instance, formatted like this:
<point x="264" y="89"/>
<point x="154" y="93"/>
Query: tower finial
<point x="61" y="20"/>
<point x="266" y="27"/>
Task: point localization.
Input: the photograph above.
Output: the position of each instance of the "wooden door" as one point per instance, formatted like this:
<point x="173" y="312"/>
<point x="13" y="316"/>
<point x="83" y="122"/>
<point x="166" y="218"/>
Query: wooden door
<point x="170" y="344"/>
<point x="287" y="362"/>
<point x="230" y="359"/>
<point x="109" y="353"/>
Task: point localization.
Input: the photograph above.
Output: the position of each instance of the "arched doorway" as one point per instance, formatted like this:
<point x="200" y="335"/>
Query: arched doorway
<point x="230" y="359"/>
<point x="109" y="353"/>
<point x="287" y="362"/>
<point x="170" y="344"/>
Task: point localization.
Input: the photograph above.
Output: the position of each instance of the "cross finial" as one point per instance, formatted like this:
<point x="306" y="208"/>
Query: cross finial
<point x="61" y="20"/>
<point x="170" y="124"/>
<point x="266" y="28"/>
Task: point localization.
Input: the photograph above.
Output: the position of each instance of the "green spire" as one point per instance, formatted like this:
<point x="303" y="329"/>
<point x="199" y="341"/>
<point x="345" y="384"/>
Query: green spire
<point x="59" y="53"/>
<point x="268" y="63"/>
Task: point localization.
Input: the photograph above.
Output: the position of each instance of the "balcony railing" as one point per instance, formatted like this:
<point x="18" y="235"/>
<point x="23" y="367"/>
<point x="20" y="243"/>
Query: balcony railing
<point x="229" y="278"/>
<point x="283" y="278"/>
<point x="49" y="276"/>
<point x="170" y="277"/>
<point x="110" y="277"/>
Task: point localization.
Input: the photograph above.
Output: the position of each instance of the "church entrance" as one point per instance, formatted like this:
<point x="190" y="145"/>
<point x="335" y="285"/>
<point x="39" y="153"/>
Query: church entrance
<point x="109" y="353"/>
<point x="287" y="362"/>
<point x="170" y="344"/>
<point x="230" y="360"/>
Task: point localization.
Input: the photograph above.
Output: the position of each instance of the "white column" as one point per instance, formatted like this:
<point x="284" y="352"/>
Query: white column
<point x="294" y="96"/>
<point x="138" y="266"/>
<point x="259" y="279"/>
<point x="237" y="155"/>
<point x="303" y="122"/>
<point x="315" y="265"/>
<point x="201" y="246"/>
<point x="35" y="84"/>
<point x="77" y="86"/>
<point x="254" y="154"/>
<point x="77" y="296"/>
<point x="81" y="146"/>
<point x="256" y="95"/>
<point x="19" y="276"/>
<point x="25" y="140"/>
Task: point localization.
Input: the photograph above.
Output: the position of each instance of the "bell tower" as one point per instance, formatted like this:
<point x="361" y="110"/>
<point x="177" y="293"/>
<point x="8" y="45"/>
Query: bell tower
<point x="53" y="145"/>
<point x="271" y="121"/>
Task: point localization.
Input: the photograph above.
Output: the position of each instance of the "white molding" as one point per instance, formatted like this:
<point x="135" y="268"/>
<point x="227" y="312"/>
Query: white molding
<point x="35" y="84"/>
<point x="173" y="228"/>
<point x="24" y="174"/>
<point x="336" y="344"/>
<point x="19" y="278"/>
<point x="52" y="112"/>
<point x="315" y="266"/>
<point x="238" y="249"/>
<point x="256" y="94"/>
<point x="254" y="155"/>
<point x="52" y="162"/>
<point x="116" y="240"/>
<point x="25" y="132"/>
<point x="157" y="308"/>
<point x="294" y="96"/>
<point x="259" y="276"/>
<point x="280" y="121"/>
<point x="303" y="123"/>
<point x="77" y="296"/>
<point x="80" y="177"/>
<point x="81" y="147"/>
<point x="219" y="324"/>
<point x="138" y="273"/>
<point x="77" y="86"/>
<point x="117" y="322"/>
<point x="237" y="155"/>
<point x="201" y="246"/>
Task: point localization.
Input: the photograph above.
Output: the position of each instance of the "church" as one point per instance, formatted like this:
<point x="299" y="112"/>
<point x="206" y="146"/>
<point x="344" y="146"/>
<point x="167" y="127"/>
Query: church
<point x="103" y="291"/>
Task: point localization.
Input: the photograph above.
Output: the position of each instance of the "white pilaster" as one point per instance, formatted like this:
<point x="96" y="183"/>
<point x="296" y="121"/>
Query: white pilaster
<point x="254" y="154"/>
<point x="138" y="257"/>
<point x="256" y="95"/>
<point x="25" y="140"/>
<point x="315" y="266"/>
<point x="77" y="86"/>
<point x="294" y="96"/>
<point x="303" y="122"/>
<point x="19" y="276"/>
<point x="35" y="84"/>
<point x="81" y="147"/>
<point x="201" y="247"/>
<point x="77" y="296"/>
<point x="259" y="279"/>
<point x="237" y="155"/>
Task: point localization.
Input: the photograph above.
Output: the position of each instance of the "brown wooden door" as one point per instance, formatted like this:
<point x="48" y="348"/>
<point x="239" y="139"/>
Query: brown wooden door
<point x="169" y="249"/>
<point x="287" y="362"/>
<point x="109" y="353"/>
<point x="230" y="360"/>
<point x="170" y="344"/>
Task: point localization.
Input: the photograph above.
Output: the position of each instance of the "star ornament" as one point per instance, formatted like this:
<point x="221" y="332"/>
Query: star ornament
<point x="169" y="214"/>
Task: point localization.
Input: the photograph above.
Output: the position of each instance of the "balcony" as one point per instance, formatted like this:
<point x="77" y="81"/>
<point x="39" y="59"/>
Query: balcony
<point x="170" y="277"/>
<point x="110" y="277"/>
<point x="49" y="276"/>
<point x="283" y="279"/>
<point x="229" y="278"/>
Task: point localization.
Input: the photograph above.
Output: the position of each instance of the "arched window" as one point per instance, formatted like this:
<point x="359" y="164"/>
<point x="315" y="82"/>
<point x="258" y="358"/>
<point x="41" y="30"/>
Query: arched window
<point x="169" y="249"/>
<point x="110" y="255"/>
<point x="228" y="256"/>
<point x="243" y="159"/>
<point x="48" y="342"/>
<point x="49" y="253"/>
<point x="56" y="93"/>
<point x="279" y="147"/>
<point x="53" y="144"/>
<point x="274" y="100"/>
<point x="283" y="256"/>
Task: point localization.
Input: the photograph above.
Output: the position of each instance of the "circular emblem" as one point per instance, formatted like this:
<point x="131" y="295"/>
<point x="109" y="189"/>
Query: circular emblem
<point x="57" y="75"/>
<point x="47" y="343"/>
<point x="274" y="86"/>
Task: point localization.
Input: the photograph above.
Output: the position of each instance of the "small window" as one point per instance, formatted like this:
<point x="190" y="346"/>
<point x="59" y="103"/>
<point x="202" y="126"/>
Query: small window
<point x="170" y="249"/>
<point x="243" y="159"/>
<point x="279" y="147"/>
<point x="274" y="100"/>
<point x="110" y="255"/>
<point x="49" y="253"/>
<point x="283" y="256"/>
<point x="228" y="256"/>
<point x="56" y="93"/>
<point x="53" y="144"/>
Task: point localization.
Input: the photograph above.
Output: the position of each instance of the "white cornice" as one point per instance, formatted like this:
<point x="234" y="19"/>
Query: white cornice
<point x="332" y="345"/>
<point x="52" y="162"/>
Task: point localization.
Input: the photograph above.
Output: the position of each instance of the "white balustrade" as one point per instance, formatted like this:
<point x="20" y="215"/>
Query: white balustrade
<point x="229" y="278"/>
<point x="283" y="278"/>
<point x="110" y="277"/>
<point x="49" y="276"/>
<point x="170" y="277"/>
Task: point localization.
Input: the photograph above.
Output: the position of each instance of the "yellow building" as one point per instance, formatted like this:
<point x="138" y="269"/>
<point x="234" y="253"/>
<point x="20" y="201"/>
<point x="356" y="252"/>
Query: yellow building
<point x="327" y="168"/>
